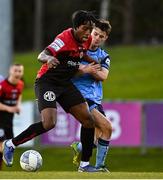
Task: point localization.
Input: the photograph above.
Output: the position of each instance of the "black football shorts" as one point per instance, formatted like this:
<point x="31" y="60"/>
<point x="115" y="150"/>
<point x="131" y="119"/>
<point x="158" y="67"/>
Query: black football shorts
<point x="6" y="129"/>
<point x="48" y="94"/>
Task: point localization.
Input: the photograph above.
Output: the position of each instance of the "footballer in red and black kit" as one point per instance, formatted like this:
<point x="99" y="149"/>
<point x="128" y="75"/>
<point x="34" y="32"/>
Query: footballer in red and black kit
<point x="69" y="52"/>
<point x="9" y="95"/>
<point x="53" y="84"/>
<point x="10" y="98"/>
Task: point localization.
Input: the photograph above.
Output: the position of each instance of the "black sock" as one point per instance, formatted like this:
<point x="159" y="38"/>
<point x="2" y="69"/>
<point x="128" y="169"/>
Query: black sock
<point x="87" y="140"/>
<point x="31" y="132"/>
<point x="1" y="160"/>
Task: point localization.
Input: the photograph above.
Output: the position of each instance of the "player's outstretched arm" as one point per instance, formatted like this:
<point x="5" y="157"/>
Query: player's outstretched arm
<point x="46" y="57"/>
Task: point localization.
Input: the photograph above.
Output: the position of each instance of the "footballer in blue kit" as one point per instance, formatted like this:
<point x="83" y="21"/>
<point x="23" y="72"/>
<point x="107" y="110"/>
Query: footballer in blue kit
<point x="90" y="85"/>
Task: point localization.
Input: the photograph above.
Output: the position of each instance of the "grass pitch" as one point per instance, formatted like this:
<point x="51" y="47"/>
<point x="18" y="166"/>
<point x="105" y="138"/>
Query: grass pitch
<point x="77" y="175"/>
<point x="123" y="163"/>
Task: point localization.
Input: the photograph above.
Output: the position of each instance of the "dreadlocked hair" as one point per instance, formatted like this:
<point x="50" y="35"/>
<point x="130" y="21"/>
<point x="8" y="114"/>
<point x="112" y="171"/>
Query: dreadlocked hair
<point x="82" y="17"/>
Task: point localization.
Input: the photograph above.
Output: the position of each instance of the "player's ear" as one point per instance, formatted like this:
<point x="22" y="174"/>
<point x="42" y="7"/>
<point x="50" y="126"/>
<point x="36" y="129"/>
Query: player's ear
<point x="76" y="28"/>
<point x="106" y="37"/>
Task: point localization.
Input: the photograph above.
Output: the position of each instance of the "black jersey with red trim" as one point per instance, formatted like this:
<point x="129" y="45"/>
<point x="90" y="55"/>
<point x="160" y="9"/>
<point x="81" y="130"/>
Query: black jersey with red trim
<point x="69" y="52"/>
<point x="9" y="95"/>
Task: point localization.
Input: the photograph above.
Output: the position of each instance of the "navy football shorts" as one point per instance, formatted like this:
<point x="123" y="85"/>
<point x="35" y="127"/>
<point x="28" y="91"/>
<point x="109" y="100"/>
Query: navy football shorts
<point x="93" y="105"/>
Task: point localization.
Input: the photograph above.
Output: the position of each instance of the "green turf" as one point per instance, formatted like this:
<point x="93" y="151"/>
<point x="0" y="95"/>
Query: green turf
<point x="31" y="64"/>
<point x="76" y="175"/>
<point x="118" y="160"/>
<point x="135" y="73"/>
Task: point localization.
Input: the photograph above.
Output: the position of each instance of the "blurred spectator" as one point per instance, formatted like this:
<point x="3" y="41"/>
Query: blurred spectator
<point x="10" y="99"/>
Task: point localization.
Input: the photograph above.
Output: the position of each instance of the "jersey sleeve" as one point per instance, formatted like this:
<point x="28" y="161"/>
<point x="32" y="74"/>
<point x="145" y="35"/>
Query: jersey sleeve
<point x="105" y="62"/>
<point x="57" y="46"/>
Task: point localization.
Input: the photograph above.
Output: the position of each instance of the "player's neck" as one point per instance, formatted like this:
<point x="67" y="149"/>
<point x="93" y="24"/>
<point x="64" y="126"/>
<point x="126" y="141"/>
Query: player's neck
<point x="75" y="36"/>
<point x="93" y="48"/>
<point x="12" y="80"/>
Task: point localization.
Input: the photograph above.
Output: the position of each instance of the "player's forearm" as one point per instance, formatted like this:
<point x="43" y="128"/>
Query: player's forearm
<point x="44" y="57"/>
<point x="19" y="101"/>
<point x="4" y="107"/>
<point x="100" y="75"/>
<point x="89" y="68"/>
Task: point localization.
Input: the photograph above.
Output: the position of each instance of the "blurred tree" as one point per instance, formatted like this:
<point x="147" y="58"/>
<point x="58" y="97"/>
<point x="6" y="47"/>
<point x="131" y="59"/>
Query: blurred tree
<point x="23" y="24"/>
<point x="104" y="10"/>
<point x="57" y="15"/>
<point x="128" y="20"/>
<point x="148" y="21"/>
<point x="133" y="21"/>
<point x="38" y="25"/>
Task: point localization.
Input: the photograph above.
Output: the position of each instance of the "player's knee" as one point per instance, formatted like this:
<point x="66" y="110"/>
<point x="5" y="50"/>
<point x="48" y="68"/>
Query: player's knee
<point x="110" y="129"/>
<point x="49" y="123"/>
<point x="48" y="118"/>
<point x="88" y="121"/>
<point x="107" y="128"/>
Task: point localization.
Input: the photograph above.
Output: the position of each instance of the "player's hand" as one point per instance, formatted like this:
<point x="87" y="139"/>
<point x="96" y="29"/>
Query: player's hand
<point x="90" y="68"/>
<point x="52" y="62"/>
<point x="18" y="109"/>
<point x="13" y="109"/>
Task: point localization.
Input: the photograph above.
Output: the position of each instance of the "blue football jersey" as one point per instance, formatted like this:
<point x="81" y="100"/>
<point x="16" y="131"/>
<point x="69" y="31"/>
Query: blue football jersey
<point x="88" y="86"/>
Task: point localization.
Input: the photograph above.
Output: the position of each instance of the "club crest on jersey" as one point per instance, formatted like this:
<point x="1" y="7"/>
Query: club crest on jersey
<point x="49" y="96"/>
<point x="81" y="55"/>
<point x="81" y="52"/>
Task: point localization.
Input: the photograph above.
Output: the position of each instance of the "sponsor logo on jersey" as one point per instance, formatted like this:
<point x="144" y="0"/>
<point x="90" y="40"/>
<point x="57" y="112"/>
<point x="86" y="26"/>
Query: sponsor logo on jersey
<point x="81" y="55"/>
<point x="57" y="44"/>
<point x="10" y="102"/>
<point x="49" y="96"/>
<point x="14" y="90"/>
<point x="72" y="63"/>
